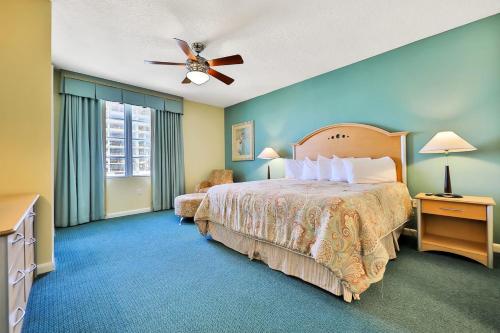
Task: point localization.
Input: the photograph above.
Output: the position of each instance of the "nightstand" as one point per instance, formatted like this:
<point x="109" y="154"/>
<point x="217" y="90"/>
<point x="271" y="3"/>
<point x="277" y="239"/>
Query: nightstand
<point x="463" y="226"/>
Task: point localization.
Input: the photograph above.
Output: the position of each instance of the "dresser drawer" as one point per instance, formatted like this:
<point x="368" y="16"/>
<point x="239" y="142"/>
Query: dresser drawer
<point x="17" y="302"/>
<point x="15" y="249"/>
<point x="30" y="276"/>
<point x="454" y="209"/>
<point x="28" y="224"/>
<point x="16" y="318"/>
<point x="29" y="265"/>
<point x="29" y="244"/>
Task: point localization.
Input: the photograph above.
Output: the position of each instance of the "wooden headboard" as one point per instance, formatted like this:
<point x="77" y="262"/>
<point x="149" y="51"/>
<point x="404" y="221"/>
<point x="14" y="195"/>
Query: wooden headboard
<point x="355" y="140"/>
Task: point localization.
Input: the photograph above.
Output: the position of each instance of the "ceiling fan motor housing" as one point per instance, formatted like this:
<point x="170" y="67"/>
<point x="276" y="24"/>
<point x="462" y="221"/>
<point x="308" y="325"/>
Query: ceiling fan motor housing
<point x="198" y="46"/>
<point x="198" y="65"/>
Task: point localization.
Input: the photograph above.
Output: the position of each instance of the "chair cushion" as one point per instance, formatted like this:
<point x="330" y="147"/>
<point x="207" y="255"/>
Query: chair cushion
<point x="186" y="205"/>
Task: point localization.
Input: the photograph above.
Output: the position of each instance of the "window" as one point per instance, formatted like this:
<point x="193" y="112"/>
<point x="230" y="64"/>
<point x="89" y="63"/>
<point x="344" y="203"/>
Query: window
<point x="128" y="140"/>
<point x="141" y="140"/>
<point x="115" y="140"/>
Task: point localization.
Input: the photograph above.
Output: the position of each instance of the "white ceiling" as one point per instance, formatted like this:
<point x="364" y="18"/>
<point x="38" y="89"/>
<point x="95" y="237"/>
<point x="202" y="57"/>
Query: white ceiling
<point x="282" y="41"/>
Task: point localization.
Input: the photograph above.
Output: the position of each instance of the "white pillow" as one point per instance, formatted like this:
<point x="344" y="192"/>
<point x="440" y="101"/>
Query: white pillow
<point x="338" y="174"/>
<point x="293" y="168"/>
<point x="338" y="169"/>
<point x="323" y="168"/>
<point x="309" y="170"/>
<point x="380" y="170"/>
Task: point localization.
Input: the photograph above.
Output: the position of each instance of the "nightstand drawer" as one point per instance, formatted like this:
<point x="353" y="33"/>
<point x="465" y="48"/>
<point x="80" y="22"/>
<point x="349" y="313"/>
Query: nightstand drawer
<point x="454" y="209"/>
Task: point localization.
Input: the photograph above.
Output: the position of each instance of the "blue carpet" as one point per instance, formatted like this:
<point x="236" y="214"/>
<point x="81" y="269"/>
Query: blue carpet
<point x="145" y="273"/>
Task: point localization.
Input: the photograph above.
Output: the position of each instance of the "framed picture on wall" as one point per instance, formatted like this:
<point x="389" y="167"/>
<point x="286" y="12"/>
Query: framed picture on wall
<point x="242" y="141"/>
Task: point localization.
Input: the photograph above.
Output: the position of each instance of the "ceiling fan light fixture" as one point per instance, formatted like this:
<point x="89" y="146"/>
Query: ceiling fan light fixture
<point x="197" y="70"/>
<point x="198" y="77"/>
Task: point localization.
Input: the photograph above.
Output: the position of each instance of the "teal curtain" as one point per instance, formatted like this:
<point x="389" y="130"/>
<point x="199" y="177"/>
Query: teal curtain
<point x="79" y="192"/>
<point x="167" y="174"/>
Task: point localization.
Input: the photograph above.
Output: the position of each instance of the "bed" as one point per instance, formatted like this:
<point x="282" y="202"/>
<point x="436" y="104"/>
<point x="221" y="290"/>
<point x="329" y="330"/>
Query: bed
<point x="335" y="235"/>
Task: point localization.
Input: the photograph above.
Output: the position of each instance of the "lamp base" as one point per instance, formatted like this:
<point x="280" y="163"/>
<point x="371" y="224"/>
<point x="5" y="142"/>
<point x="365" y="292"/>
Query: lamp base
<point x="447" y="186"/>
<point x="448" y="195"/>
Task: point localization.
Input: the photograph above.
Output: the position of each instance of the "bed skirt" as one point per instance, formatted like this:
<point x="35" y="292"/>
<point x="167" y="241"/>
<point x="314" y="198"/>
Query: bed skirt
<point x="290" y="262"/>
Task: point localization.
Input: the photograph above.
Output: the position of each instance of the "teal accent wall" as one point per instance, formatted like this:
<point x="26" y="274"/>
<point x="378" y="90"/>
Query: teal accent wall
<point x="450" y="81"/>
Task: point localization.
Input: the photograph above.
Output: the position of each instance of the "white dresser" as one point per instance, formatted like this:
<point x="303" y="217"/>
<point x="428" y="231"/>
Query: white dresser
<point x="17" y="258"/>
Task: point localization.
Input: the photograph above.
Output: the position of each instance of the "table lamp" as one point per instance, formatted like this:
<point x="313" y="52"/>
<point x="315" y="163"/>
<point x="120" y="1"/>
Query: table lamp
<point x="445" y="143"/>
<point x="268" y="154"/>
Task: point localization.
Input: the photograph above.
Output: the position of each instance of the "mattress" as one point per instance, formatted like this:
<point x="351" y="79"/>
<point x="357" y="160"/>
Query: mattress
<point x="342" y="227"/>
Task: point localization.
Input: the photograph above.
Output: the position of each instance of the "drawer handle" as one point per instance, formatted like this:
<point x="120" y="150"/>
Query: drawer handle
<point x="20" y="318"/>
<point x="19" y="279"/>
<point x="31" y="269"/>
<point x="452" y="209"/>
<point x="30" y="241"/>
<point x="19" y="237"/>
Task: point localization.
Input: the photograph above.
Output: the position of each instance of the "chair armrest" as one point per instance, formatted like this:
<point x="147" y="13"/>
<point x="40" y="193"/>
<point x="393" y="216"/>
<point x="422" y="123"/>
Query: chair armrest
<point x="202" y="185"/>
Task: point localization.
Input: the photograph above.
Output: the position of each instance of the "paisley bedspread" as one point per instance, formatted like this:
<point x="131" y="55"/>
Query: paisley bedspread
<point x="339" y="225"/>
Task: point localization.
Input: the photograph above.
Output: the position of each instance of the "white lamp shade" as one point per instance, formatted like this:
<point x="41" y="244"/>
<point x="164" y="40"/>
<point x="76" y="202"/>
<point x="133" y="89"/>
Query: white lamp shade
<point x="268" y="154"/>
<point x="198" y="77"/>
<point x="446" y="142"/>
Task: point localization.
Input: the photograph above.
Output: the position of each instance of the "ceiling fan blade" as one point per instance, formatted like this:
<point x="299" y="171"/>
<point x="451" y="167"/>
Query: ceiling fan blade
<point x="185" y="48"/>
<point x="231" y="60"/>
<point x="219" y="76"/>
<point x="186" y="80"/>
<point x="153" y="62"/>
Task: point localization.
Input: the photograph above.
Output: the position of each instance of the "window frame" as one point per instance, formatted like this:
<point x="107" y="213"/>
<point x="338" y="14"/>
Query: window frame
<point x="129" y="158"/>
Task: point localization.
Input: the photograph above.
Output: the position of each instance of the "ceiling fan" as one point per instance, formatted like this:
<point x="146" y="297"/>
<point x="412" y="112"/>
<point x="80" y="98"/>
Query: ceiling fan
<point x="198" y="67"/>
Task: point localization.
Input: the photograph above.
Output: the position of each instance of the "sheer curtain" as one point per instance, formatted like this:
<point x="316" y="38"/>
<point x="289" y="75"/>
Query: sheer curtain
<point x="79" y="190"/>
<point x="167" y="174"/>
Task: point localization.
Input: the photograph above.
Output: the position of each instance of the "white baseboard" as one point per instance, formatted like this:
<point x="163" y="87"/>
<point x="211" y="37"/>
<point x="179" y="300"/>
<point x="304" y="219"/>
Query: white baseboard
<point x="45" y="267"/>
<point x="413" y="233"/>
<point x="128" y="212"/>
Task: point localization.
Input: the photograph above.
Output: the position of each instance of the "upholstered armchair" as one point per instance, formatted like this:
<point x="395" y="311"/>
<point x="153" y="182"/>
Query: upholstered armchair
<point x="216" y="177"/>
